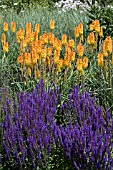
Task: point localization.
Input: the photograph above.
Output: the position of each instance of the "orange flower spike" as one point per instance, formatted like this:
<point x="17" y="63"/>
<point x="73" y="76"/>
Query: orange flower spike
<point x="72" y="56"/>
<point x="61" y="63"/>
<point x="100" y="59"/>
<point x="79" y="64"/>
<point x="59" y="45"/>
<point x="71" y="43"/>
<point x="34" y="57"/>
<point x="101" y="32"/>
<point x="107" y="45"/>
<point x="21" y="33"/>
<point x="5" y="26"/>
<point x="52" y="25"/>
<point x="13" y="26"/>
<point x="64" y="39"/>
<point x="20" y="59"/>
<point x="49" y="51"/>
<point x="68" y="50"/>
<point x="44" y="53"/>
<point x="97" y="26"/>
<point x="51" y="38"/>
<point x="24" y="43"/>
<point x="85" y="62"/>
<point x="37" y="28"/>
<point x="28" y="28"/>
<point x="39" y="49"/>
<point x="105" y="53"/>
<point x="3" y="38"/>
<point x="92" y="38"/>
<point x="56" y="57"/>
<point x="80" y="50"/>
<point x="5" y="47"/>
<point x="57" y="53"/>
<point x="80" y="29"/>
<point x="55" y="44"/>
<point x="27" y="57"/>
<point x="17" y="37"/>
<point x="76" y="32"/>
<point x="45" y="39"/>
<point x="35" y="35"/>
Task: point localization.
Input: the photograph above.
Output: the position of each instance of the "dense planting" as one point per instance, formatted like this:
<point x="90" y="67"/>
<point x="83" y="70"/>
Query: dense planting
<point x="56" y="86"/>
<point x="31" y="129"/>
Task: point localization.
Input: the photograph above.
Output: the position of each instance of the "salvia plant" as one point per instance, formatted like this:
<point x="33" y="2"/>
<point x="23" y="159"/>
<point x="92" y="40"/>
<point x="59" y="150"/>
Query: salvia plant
<point x="32" y="130"/>
<point x="27" y="133"/>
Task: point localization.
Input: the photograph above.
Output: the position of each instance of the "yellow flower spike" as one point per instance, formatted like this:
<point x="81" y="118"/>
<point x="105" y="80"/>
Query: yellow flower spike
<point x="79" y="67"/>
<point x="5" y="26"/>
<point x="72" y="56"/>
<point x="27" y="58"/>
<point x="37" y="28"/>
<point x="51" y="38"/>
<point x="5" y="47"/>
<point x="29" y="71"/>
<point x="76" y="32"/>
<point x="85" y="62"/>
<point x="92" y="38"/>
<point x="34" y="57"/>
<point x="45" y="40"/>
<point x="64" y="39"/>
<point x="107" y="46"/>
<point x="24" y="43"/>
<point x="58" y="68"/>
<point x="88" y="40"/>
<point x="71" y="43"/>
<point x="97" y="26"/>
<point x="55" y="44"/>
<point x="68" y="50"/>
<point x="80" y="29"/>
<point x="48" y="61"/>
<point x="20" y="35"/>
<point x="59" y="46"/>
<point x="38" y="74"/>
<point x="100" y="60"/>
<point x="81" y="38"/>
<point x="101" y="32"/>
<point x="44" y="53"/>
<point x="13" y="26"/>
<point x="39" y="49"/>
<point x="56" y="56"/>
<point x="82" y="72"/>
<point x="49" y="51"/>
<point x="52" y="25"/>
<point x="30" y="37"/>
<point x="61" y="62"/>
<point x="3" y="38"/>
<point x="80" y="50"/>
<point x="91" y="27"/>
<point x="105" y="53"/>
<point x="67" y="63"/>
